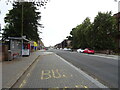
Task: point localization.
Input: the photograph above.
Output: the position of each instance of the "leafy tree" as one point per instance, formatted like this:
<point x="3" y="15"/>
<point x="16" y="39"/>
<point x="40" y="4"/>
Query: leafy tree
<point x="79" y="34"/>
<point x="30" y="18"/>
<point x="99" y="35"/>
<point x="74" y="38"/>
<point x="82" y="33"/>
<point x="104" y="30"/>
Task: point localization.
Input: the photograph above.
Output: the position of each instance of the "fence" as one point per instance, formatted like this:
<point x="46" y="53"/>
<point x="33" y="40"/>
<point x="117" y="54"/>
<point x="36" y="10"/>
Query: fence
<point x="3" y="52"/>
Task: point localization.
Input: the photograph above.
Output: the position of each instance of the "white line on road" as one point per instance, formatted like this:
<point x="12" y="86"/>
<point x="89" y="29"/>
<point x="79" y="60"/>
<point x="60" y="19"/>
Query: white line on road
<point x="115" y="57"/>
<point x="100" y="85"/>
<point x="103" y="56"/>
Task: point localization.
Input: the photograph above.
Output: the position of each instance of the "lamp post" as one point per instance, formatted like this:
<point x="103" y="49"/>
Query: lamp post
<point x="22" y="29"/>
<point x="22" y="22"/>
<point x="118" y="24"/>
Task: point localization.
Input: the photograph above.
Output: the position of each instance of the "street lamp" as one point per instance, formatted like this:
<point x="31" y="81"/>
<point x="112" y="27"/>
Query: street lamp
<point x="22" y="22"/>
<point x="22" y="28"/>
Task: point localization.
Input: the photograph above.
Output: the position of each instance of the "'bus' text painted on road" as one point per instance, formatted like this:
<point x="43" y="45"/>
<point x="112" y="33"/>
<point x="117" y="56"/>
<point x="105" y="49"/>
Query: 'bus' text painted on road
<point x="47" y="74"/>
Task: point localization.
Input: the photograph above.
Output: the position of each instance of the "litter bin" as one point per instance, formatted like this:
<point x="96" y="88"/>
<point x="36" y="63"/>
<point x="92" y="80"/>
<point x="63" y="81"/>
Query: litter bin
<point x="9" y="55"/>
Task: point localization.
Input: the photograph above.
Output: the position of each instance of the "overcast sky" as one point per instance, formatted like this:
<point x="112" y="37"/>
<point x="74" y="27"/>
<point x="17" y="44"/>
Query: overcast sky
<point x="60" y="16"/>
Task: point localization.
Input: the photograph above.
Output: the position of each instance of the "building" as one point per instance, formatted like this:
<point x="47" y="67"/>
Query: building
<point x="64" y="44"/>
<point x="117" y="16"/>
<point x="40" y="44"/>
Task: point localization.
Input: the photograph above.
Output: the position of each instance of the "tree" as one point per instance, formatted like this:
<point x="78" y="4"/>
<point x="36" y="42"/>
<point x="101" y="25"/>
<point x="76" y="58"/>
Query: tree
<point x="104" y="30"/>
<point x="79" y="34"/>
<point x="30" y="23"/>
<point x="74" y="38"/>
<point x="82" y="33"/>
<point x="26" y="18"/>
<point x="99" y="35"/>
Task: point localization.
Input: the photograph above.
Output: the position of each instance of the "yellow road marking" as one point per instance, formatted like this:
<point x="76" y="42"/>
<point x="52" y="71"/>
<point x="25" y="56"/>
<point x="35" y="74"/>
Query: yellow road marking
<point x="24" y="81"/>
<point x="85" y="87"/>
<point x="45" y="74"/>
<point x="65" y="87"/>
<point x="22" y="84"/>
<point x="64" y="75"/>
<point x="28" y="74"/>
<point x="76" y="86"/>
<point x="58" y="75"/>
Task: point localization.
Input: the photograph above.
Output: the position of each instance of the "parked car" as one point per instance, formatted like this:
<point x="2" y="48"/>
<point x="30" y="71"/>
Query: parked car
<point x="89" y="51"/>
<point x="80" y="50"/>
<point x="67" y="49"/>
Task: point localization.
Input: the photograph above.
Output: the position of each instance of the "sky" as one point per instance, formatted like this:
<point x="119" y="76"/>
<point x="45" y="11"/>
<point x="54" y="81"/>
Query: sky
<point x="60" y="16"/>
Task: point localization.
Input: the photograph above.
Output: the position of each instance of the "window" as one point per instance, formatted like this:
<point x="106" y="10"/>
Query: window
<point x="119" y="43"/>
<point x="119" y="27"/>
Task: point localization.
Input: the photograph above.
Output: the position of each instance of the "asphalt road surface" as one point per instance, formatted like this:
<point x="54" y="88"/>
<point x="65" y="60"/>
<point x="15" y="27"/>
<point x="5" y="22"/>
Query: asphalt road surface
<point x="103" y="69"/>
<point x="52" y="71"/>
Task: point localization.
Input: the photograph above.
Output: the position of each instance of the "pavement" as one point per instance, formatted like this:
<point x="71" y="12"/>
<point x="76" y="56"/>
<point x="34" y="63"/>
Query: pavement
<point x="61" y="73"/>
<point x="13" y="70"/>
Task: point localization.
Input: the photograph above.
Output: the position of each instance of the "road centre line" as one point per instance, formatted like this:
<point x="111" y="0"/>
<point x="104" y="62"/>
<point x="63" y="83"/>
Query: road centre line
<point x="97" y="83"/>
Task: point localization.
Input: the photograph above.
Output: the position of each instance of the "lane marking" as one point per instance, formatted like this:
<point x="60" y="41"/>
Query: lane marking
<point x="47" y="73"/>
<point x="85" y="87"/>
<point x="64" y="75"/>
<point x="57" y="75"/>
<point x="22" y="84"/>
<point x="77" y="86"/>
<point x="66" y="87"/>
<point x="28" y="74"/>
<point x="97" y="83"/>
<point x="115" y="57"/>
<point x="54" y="74"/>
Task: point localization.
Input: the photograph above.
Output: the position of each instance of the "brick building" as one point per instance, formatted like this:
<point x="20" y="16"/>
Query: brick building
<point x="117" y="16"/>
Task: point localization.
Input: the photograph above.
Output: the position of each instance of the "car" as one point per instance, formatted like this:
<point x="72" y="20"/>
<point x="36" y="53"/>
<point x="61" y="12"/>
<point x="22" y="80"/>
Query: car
<point x="89" y="51"/>
<point x="80" y="50"/>
<point x="67" y="49"/>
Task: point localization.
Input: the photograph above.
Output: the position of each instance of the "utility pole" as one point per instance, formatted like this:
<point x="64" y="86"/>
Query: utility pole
<point x="22" y="22"/>
<point x="119" y="25"/>
<point x="22" y="29"/>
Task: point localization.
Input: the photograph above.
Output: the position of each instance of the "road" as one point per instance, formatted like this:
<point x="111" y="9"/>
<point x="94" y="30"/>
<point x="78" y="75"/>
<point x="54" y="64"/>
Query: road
<point x="102" y="68"/>
<point x="51" y="71"/>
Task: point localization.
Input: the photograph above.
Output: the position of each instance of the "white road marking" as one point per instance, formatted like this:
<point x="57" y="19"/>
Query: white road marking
<point x="97" y="83"/>
<point x="104" y="56"/>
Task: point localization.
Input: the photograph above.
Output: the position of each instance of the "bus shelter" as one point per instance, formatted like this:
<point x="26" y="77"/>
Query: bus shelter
<point x="19" y="46"/>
